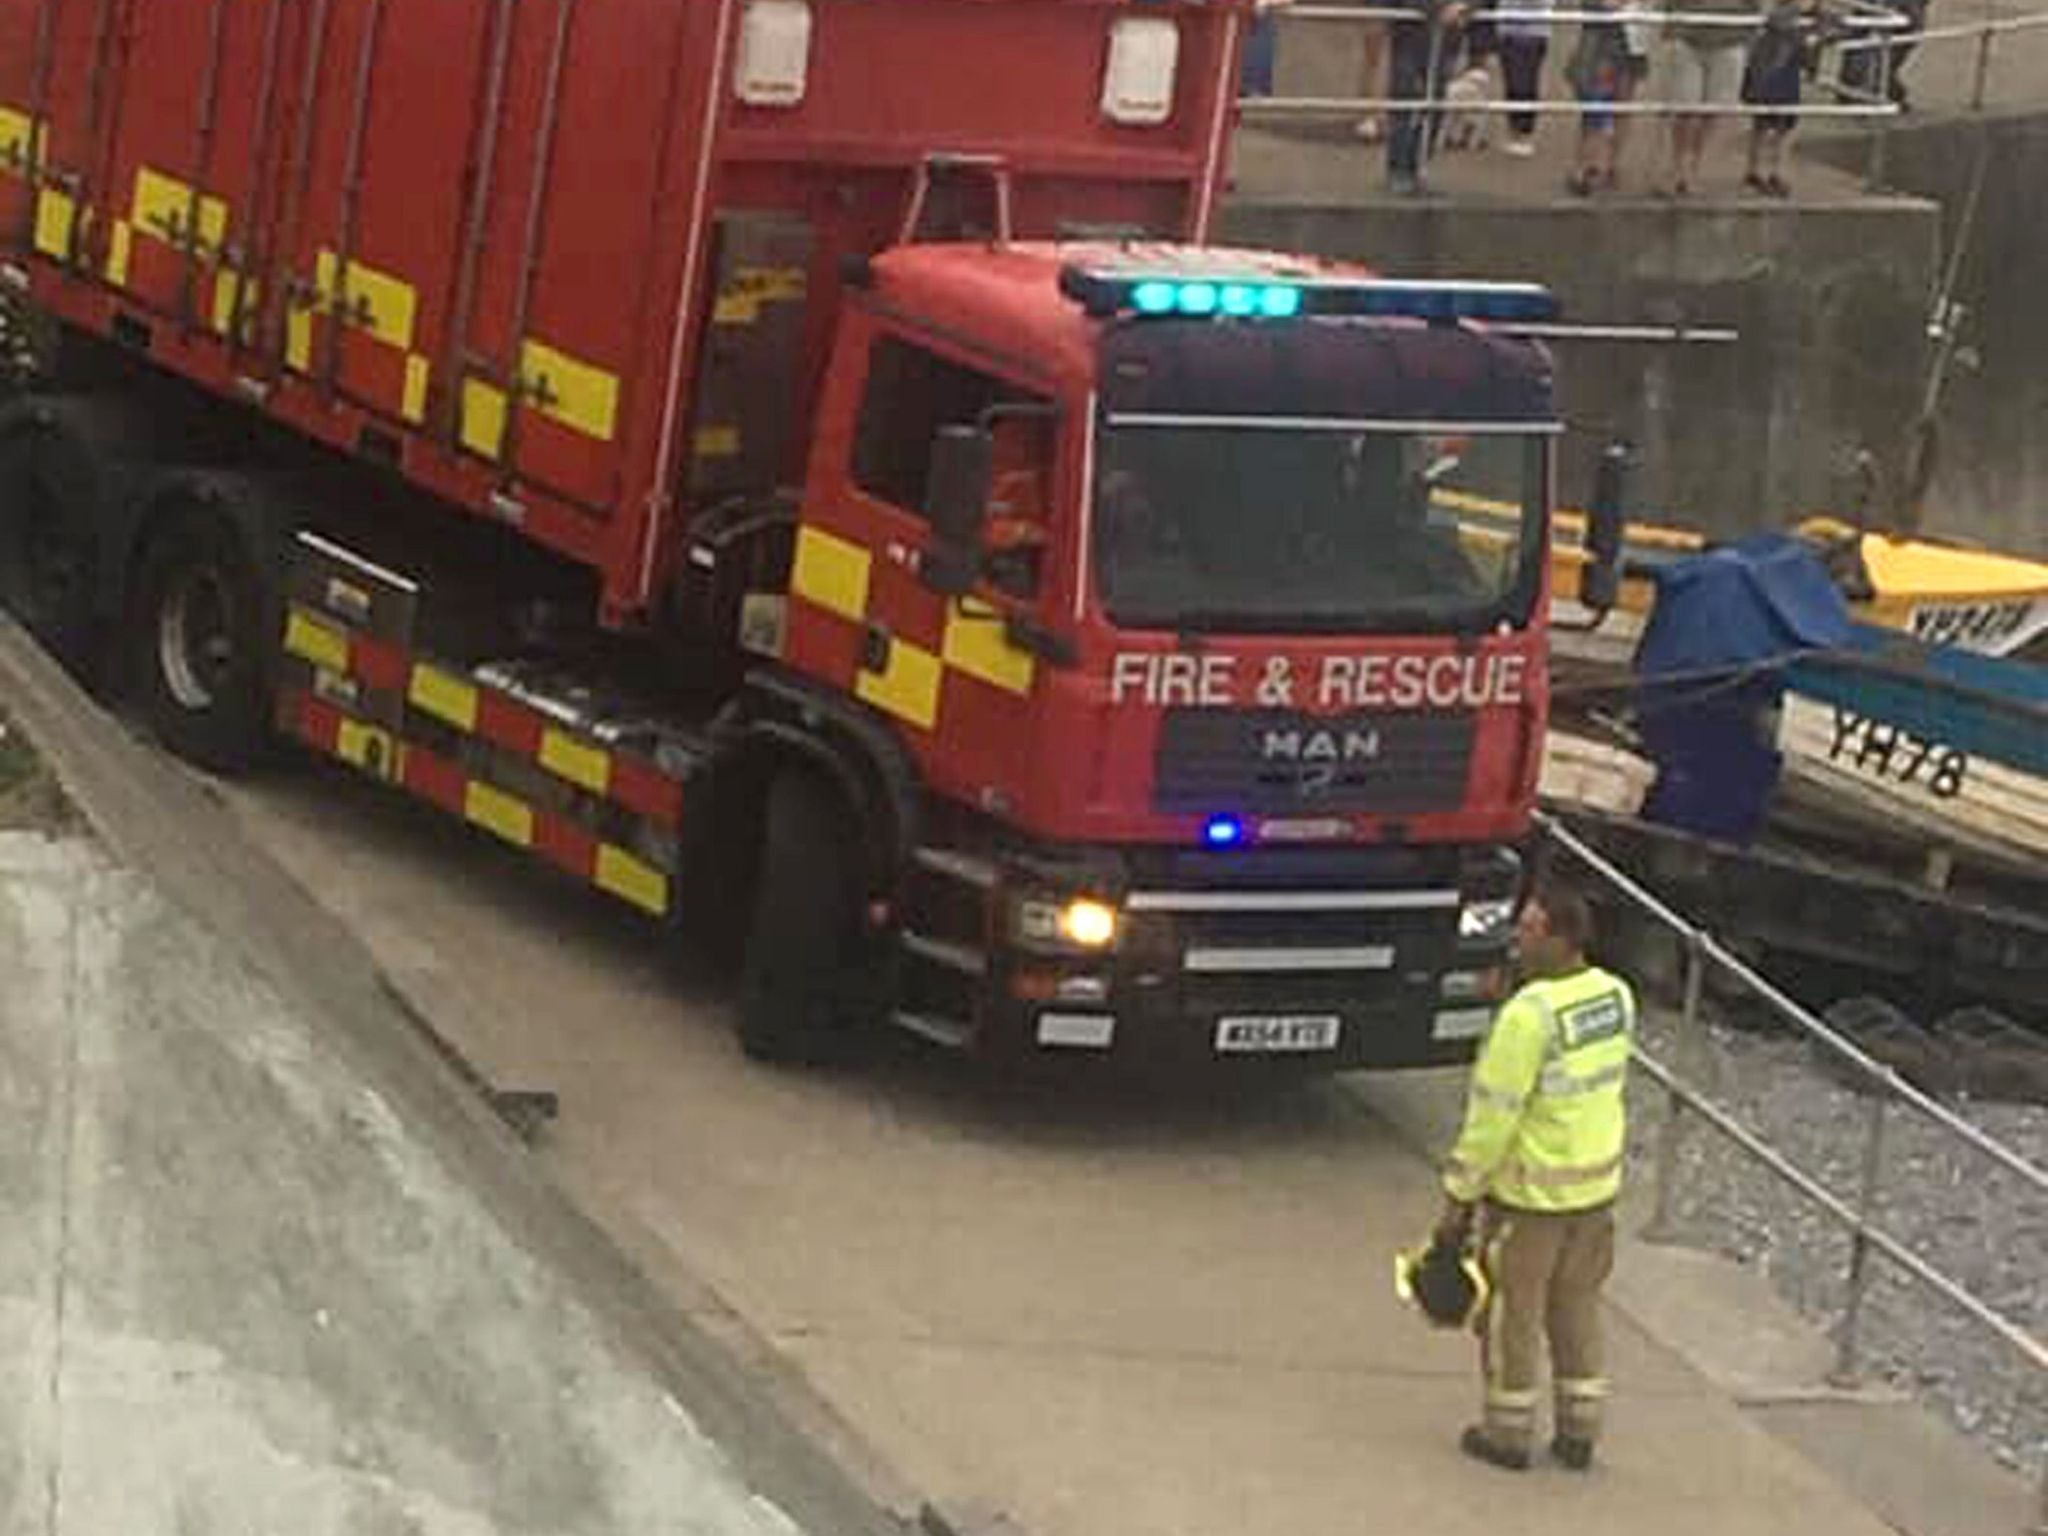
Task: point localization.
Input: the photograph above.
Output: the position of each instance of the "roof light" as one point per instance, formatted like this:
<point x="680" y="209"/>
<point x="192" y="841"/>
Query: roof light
<point x="1154" y="298"/>
<point x="1106" y="292"/>
<point x="1279" y="303"/>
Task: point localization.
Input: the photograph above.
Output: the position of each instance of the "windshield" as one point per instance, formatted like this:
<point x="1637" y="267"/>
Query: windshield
<point x="1261" y="525"/>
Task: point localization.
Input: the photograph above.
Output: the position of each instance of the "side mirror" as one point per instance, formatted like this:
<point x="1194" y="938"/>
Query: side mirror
<point x="956" y="504"/>
<point x="1606" y="522"/>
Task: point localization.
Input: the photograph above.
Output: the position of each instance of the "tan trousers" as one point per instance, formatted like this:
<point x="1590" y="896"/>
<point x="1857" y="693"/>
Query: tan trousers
<point x="1546" y="1271"/>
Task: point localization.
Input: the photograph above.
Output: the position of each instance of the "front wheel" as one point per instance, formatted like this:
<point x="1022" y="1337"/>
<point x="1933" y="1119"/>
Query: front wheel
<point x="796" y="999"/>
<point x="199" y="637"/>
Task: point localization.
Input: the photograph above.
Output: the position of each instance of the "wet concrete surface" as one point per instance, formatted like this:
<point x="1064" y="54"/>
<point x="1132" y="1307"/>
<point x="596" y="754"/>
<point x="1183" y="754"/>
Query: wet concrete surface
<point x="1081" y="1307"/>
<point x="1092" y="1307"/>
<point x="239" y="1294"/>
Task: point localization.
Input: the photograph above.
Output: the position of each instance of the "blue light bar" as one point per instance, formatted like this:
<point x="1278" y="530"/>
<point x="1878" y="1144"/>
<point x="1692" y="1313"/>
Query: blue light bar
<point x="1444" y="302"/>
<point x="1153" y="298"/>
<point x="1279" y="303"/>
<point x="1161" y="295"/>
<point x="1223" y="832"/>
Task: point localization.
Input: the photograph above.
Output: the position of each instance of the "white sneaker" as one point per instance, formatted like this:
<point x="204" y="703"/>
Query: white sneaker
<point x="1521" y="148"/>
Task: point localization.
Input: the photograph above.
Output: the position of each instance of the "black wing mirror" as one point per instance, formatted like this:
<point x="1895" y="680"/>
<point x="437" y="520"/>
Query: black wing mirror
<point x="1606" y="523"/>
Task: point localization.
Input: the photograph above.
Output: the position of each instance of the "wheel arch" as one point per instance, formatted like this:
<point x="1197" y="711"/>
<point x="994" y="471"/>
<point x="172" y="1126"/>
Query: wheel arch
<point x="780" y="724"/>
<point x="244" y="501"/>
<point x="126" y="448"/>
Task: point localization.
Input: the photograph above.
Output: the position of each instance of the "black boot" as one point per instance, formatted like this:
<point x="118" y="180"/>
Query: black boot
<point x="1476" y="1445"/>
<point x="1572" y="1453"/>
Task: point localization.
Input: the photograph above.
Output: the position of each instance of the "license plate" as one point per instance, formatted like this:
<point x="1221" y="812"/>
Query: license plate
<point x="1278" y="1034"/>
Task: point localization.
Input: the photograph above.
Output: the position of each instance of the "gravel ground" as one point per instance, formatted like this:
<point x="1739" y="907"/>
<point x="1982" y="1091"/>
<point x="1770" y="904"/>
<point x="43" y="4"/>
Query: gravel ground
<point x="1966" y="1215"/>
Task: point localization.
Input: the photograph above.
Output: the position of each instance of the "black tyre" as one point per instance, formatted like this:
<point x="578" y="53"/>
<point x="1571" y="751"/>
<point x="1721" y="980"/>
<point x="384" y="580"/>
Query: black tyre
<point x="200" y="635"/>
<point x="51" y="496"/>
<point x="797" y="1000"/>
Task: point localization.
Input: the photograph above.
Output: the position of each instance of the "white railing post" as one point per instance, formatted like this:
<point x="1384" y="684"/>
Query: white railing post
<point x="1847" y="1353"/>
<point x="1663" y="1223"/>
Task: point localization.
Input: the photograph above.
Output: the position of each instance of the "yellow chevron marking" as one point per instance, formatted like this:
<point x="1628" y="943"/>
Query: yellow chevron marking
<point x="631" y="880"/>
<point x="444" y="696"/>
<point x="310" y="640"/>
<point x="499" y="813"/>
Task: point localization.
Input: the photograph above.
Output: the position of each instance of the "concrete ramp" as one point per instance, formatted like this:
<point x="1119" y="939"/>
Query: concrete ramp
<point x="237" y="1293"/>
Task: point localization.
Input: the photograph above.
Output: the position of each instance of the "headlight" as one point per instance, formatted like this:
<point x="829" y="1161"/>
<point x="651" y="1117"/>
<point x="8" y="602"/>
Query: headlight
<point x="1090" y="924"/>
<point x="1482" y="922"/>
<point x="1083" y="923"/>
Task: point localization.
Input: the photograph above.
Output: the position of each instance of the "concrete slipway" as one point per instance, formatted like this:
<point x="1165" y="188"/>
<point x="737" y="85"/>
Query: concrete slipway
<point x="260" y="1272"/>
<point x="268" y="1266"/>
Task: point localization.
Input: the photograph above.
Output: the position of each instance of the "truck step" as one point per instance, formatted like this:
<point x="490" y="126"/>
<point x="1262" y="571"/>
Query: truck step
<point x="951" y="864"/>
<point x="947" y="956"/>
<point x="951" y="1033"/>
<point x="526" y="751"/>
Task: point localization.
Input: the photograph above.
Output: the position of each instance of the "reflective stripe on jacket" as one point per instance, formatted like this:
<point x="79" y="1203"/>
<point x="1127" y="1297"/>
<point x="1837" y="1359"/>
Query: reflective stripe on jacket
<point x="1545" y="1121"/>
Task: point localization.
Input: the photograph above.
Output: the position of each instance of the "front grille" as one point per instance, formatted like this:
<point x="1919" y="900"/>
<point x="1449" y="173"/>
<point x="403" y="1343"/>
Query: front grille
<point x="1365" y="946"/>
<point x="1284" y="762"/>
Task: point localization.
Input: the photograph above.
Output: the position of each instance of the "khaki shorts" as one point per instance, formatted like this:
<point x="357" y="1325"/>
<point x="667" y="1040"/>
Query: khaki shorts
<point x="1704" y="74"/>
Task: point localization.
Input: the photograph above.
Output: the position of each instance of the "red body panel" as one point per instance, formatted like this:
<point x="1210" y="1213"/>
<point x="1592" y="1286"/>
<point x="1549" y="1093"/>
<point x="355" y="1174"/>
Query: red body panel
<point x="1105" y="793"/>
<point x="480" y="230"/>
<point x="1071" y="755"/>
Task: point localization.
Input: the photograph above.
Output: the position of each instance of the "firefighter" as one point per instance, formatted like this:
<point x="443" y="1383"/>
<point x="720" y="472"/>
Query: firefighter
<point x="1020" y="496"/>
<point x="1536" y="1170"/>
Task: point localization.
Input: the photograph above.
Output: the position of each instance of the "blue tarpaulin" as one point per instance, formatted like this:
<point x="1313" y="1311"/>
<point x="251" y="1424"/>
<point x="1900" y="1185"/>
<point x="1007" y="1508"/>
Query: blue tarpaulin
<point x="1757" y="603"/>
<point x="1759" y="600"/>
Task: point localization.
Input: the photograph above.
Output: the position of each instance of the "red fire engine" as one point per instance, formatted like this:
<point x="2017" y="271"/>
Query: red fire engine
<point x="795" y="465"/>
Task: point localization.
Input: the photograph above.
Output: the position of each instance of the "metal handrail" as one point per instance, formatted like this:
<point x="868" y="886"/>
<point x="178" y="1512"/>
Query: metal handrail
<point x="1349" y="106"/>
<point x="1797" y="1013"/>
<point x="1867" y="1240"/>
<point x="1842" y="1213"/>
<point x="1867" y="17"/>
<point x="1747" y="20"/>
<point x="1943" y="34"/>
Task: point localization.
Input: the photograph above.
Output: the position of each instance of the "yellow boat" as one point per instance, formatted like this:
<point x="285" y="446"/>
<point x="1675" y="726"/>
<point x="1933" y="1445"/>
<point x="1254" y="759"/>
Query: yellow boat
<point x="1943" y="592"/>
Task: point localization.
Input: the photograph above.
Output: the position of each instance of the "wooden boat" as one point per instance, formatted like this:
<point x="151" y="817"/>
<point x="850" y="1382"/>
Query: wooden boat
<point x="1905" y="816"/>
<point x="1907" y="741"/>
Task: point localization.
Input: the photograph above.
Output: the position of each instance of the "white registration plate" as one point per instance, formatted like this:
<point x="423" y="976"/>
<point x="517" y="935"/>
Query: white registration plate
<point x="1278" y="1034"/>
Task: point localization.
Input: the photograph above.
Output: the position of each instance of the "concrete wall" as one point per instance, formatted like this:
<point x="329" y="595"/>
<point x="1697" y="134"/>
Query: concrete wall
<point x="1991" y="479"/>
<point x="1831" y="302"/>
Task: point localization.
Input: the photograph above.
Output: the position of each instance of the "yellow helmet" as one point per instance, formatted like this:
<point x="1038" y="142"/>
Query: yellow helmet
<point x="1443" y="1281"/>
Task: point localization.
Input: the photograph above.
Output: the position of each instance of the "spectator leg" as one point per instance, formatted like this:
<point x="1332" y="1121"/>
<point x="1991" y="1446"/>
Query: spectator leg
<point x="1261" y="51"/>
<point x="1372" y="74"/>
<point x="1407" y="81"/>
<point x="1521" y="64"/>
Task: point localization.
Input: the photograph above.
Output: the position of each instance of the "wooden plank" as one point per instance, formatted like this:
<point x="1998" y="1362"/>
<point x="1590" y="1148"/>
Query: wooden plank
<point x="1581" y="772"/>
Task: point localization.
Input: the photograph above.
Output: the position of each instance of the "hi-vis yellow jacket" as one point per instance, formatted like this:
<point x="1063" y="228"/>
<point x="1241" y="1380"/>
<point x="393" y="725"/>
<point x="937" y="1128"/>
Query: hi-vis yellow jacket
<point x="1545" y="1122"/>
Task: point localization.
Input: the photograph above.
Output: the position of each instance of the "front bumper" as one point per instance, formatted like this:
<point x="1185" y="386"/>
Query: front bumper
<point x="1253" y="964"/>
